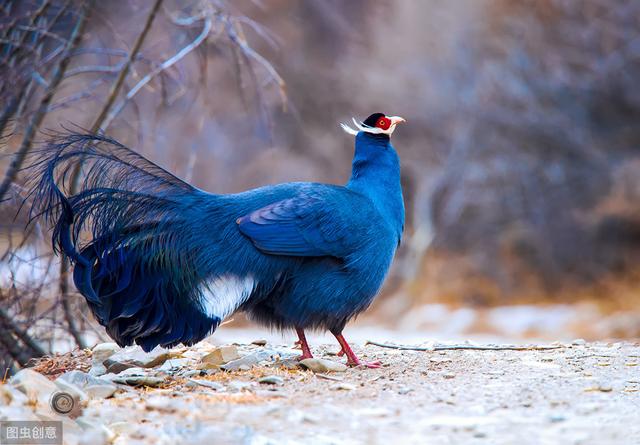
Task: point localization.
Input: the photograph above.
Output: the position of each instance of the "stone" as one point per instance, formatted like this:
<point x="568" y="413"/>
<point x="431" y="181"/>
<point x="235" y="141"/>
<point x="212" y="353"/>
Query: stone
<point x="138" y="380"/>
<point x="288" y="363"/>
<point x="259" y="342"/>
<point x="99" y="354"/>
<point x="100" y="391"/>
<point x="134" y="356"/>
<point x="220" y="356"/>
<point x="94" y="388"/>
<point x="271" y="380"/>
<point x="249" y="360"/>
<point x="239" y="385"/>
<point x="72" y="389"/>
<point x="322" y="365"/>
<point x="174" y="364"/>
<point x="206" y="383"/>
<point x="34" y="385"/>
<point x="191" y="373"/>
<point x="135" y="371"/>
<point x="343" y="386"/>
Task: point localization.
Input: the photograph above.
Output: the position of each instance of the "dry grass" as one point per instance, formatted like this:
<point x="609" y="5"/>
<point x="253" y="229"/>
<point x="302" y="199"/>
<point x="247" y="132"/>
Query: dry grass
<point x="56" y="365"/>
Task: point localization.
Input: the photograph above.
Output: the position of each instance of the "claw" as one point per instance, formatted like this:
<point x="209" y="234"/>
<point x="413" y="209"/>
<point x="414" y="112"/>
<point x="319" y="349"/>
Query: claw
<point x="352" y="360"/>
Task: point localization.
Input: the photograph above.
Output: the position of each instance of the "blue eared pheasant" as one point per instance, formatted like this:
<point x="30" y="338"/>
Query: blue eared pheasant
<point x="165" y="263"/>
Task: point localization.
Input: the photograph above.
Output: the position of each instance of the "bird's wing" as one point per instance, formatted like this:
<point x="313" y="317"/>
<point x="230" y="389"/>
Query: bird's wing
<point x="315" y="222"/>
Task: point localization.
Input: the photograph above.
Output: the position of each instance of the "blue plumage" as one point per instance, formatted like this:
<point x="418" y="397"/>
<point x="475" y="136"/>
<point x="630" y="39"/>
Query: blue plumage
<point x="166" y="263"/>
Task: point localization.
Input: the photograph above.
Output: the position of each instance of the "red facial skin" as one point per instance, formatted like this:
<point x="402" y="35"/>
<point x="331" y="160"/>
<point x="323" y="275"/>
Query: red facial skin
<point x="383" y="123"/>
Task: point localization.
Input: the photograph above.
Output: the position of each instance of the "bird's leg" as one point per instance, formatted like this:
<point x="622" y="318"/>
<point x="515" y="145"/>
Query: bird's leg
<point x="306" y="352"/>
<point x="352" y="359"/>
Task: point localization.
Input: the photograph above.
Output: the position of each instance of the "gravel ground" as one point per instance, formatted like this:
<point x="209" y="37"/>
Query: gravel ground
<point x="579" y="393"/>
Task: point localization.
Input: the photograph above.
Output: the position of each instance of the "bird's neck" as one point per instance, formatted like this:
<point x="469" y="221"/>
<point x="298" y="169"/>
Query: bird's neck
<point x="375" y="173"/>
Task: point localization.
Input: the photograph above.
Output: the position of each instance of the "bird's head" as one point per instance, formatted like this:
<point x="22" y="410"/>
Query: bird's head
<point x="377" y="123"/>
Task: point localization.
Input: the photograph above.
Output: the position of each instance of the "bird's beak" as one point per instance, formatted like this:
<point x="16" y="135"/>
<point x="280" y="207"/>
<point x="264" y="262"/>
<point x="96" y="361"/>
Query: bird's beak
<point x="395" y="120"/>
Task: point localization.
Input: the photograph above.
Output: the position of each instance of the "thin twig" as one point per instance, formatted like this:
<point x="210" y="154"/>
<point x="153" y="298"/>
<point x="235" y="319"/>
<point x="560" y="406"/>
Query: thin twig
<point x="441" y="347"/>
<point x="38" y="117"/>
<point x="163" y="66"/>
<point x="115" y="89"/>
<point x="9" y="325"/>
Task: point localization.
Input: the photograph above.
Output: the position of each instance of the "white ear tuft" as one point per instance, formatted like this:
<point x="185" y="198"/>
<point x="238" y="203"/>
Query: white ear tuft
<point x="349" y="130"/>
<point x="362" y="127"/>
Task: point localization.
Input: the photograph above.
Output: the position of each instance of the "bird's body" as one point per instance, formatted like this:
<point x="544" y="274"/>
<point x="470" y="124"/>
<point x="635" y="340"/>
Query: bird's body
<point x="168" y="262"/>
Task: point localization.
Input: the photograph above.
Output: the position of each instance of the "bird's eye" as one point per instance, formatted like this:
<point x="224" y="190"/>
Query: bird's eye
<point x="383" y="123"/>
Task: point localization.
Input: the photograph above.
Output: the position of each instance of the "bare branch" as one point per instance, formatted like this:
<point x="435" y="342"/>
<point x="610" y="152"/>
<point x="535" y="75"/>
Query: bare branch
<point x="440" y="347"/>
<point x="38" y="117"/>
<point x="163" y="66"/>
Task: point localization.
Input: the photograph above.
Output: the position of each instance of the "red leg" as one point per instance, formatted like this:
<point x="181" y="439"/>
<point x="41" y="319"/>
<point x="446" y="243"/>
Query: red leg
<point x="306" y="352"/>
<point x="352" y="360"/>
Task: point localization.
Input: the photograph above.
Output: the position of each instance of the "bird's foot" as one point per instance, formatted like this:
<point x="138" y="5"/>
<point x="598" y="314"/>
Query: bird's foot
<point x="352" y="360"/>
<point x="302" y="343"/>
<point x="304" y="356"/>
<point x="359" y="363"/>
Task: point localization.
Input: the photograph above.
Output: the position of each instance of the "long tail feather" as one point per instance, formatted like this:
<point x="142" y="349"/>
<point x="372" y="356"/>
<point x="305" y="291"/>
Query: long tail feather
<point x="139" y="269"/>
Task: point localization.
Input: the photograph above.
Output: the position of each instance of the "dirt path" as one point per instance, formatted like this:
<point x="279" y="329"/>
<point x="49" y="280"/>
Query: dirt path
<point x="577" y="394"/>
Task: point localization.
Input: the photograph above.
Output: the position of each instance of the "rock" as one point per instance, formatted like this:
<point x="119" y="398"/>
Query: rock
<point x="328" y="377"/>
<point x="579" y="342"/>
<point x="10" y="395"/>
<point x="259" y="342"/>
<point x="322" y="365"/>
<point x="138" y="380"/>
<point x="220" y="356"/>
<point x="239" y="385"/>
<point x="134" y="356"/>
<point x="99" y="354"/>
<point x="135" y="371"/>
<point x="34" y="385"/>
<point x="100" y="391"/>
<point x="191" y="373"/>
<point x="288" y="363"/>
<point x="95" y="388"/>
<point x="601" y="387"/>
<point x="72" y="389"/>
<point x="174" y="364"/>
<point x="404" y="390"/>
<point x="249" y="360"/>
<point x="343" y="386"/>
<point x="206" y="383"/>
<point x="271" y="380"/>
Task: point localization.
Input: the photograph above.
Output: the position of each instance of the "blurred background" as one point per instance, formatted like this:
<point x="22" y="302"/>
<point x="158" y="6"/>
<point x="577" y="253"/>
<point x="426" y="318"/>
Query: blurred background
<point x="521" y="155"/>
